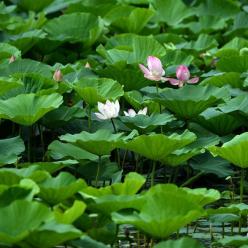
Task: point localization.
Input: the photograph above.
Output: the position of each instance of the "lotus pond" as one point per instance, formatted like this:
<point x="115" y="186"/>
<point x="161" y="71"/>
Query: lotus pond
<point x="123" y="123"/>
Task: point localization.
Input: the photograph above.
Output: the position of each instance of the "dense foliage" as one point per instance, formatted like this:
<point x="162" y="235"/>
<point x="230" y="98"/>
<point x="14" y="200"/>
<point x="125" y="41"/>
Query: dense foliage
<point x="123" y="123"/>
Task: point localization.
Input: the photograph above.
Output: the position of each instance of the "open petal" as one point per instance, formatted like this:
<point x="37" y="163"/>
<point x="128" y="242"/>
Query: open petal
<point x="143" y="111"/>
<point x="155" y="65"/>
<point x="100" y="116"/>
<point x="117" y="108"/>
<point x="101" y="107"/>
<point x="193" y="80"/>
<point x="173" y="81"/>
<point x="144" y="69"/>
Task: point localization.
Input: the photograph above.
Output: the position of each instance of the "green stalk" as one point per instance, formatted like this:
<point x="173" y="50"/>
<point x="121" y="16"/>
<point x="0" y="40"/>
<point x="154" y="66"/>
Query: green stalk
<point x="117" y="150"/>
<point x="89" y="118"/>
<point x="192" y="179"/>
<point x="29" y="143"/>
<point x="153" y="172"/>
<point x="42" y="140"/>
<point x="242" y="178"/>
<point x="98" y="169"/>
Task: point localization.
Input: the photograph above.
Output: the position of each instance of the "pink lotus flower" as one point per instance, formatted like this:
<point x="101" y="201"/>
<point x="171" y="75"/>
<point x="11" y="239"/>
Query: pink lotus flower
<point x="108" y="110"/>
<point x="155" y="71"/>
<point x="58" y="76"/>
<point x="132" y="113"/>
<point x="183" y="76"/>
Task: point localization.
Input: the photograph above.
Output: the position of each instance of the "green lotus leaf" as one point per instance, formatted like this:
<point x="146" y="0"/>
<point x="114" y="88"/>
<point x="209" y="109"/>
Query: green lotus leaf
<point x="93" y="90"/>
<point x="30" y="5"/>
<point x="25" y="190"/>
<point x="171" y="12"/>
<point x="27" y="66"/>
<point x="26" y="109"/>
<point x="70" y="214"/>
<point x="116" y="196"/>
<point x="10" y="150"/>
<point x="223" y="218"/>
<point x="87" y="28"/>
<point x="126" y="75"/>
<point x="234" y="150"/>
<point x="229" y="78"/>
<point x="233" y="64"/>
<point x="161" y="215"/>
<point x="147" y="123"/>
<point x="236" y="105"/>
<point x="7" y="51"/>
<point x="219" y="8"/>
<point x="240" y="23"/>
<point x="203" y="196"/>
<point x="129" y="19"/>
<point x="206" y="24"/>
<point x="19" y="218"/>
<point x="219" y="122"/>
<point x="134" y="98"/>
<point x="52" y="234"/>
<point x="50" y="167"/>
<point x="236" y="43"/>
<point x="203" y="43"/>
<point x="88" y="242"/>
<point x="182" y="155"/>
<point x="102" y="142"/>
<point x="26" y="40"/>
<point x="189" y="101"/>
<point x="60" y="188"/>
<point x="61" y="116"/>
<point x="130" y="48"/>
<point x="158" y="146"/>
<point x="7" y="84"/>
<point x="59" y="150"/>
<point x="234" y="241"/>
<point x="184" y="242"/>
<point x="238" y="209"/>
<point x="177" y="57"/>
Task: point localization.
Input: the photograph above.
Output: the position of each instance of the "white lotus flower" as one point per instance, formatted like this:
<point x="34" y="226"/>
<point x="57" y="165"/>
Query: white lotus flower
<point x="108" y="110"/>
<point x="132" y="113"/>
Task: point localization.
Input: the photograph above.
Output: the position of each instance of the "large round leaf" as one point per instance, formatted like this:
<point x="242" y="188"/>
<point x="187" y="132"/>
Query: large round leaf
<point x="102" y="142"/>
<point x="60" y="188"/>
<point x="52" y="234"/>
<point x="234" y="150"/>
<point x="158" y="146"/>
<point x="19" y="218"/>
<point x="189" y="101"/>
<point x="161" y="215"/>
<point x="10" y="149"/>
<point x="184" y="242"/>
<point x="26" y="109"/>
<point x="93" y="90"/>
<point x="75" y="27"/>
<point x="219" y="122"/>
<point x="130" y="49"/>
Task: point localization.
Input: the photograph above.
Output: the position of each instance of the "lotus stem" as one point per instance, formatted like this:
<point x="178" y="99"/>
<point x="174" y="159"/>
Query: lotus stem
<point x="29" y="143"/>
<point x="242" y="178"/>
<point x="117" y="150"/>
<point x="42" y="140"/>
<point x="98" y="169"/>
<point x="89" y="118"/>
<point x="153" y="172"/>
<point x="192" y="179"/>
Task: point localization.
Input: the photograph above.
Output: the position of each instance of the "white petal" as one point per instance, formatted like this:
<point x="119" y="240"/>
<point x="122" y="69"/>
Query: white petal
<point x="100" y="116"/>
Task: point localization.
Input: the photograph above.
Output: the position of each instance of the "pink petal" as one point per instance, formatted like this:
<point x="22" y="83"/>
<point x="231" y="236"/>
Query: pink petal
<point x="193" y="80"/>
<point x="154" y="65"/>
<point x="144" y="69"/>
<point x="173" y="81"/>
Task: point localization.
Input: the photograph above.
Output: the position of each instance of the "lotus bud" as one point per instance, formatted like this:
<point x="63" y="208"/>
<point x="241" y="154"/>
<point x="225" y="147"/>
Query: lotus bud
<point x="87" y="65"/>
<point x="12" y="59"/>
<point x="182" y="73"/>
<point x="58" y="76"/>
